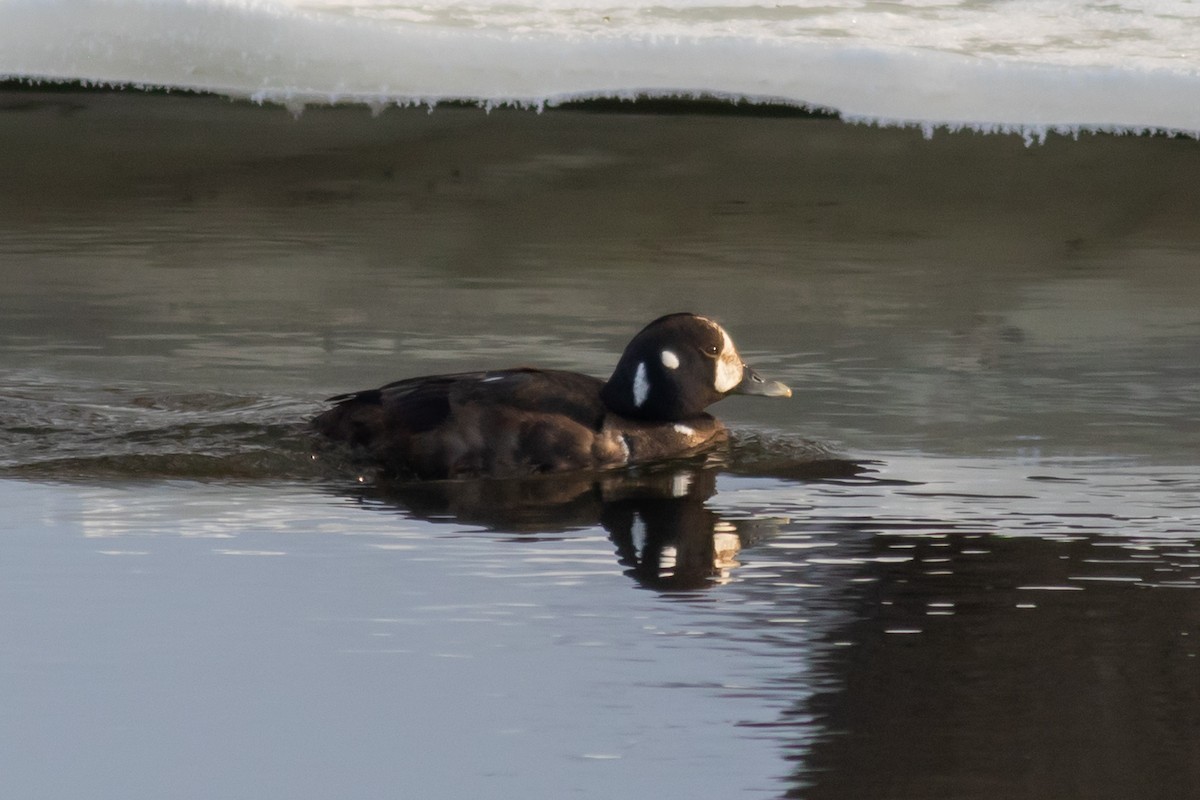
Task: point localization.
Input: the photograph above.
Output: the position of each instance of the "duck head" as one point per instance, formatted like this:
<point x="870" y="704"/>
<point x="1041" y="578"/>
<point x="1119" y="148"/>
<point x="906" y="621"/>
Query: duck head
<point x="679" y="365"/>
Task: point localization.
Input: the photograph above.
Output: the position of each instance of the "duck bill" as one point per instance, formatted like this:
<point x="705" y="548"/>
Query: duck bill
<point x="753" y="384"/>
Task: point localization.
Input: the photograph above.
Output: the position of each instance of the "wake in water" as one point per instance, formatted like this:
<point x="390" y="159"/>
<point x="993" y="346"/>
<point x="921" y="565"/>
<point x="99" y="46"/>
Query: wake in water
<point x="658" y="516"/>
<point x="80" y="432"/>
<point x="51" y="431"/>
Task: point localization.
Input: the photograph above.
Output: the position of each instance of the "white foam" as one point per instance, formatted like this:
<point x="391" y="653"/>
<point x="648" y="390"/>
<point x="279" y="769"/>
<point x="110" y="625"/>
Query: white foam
<point x="1024" y="66"/>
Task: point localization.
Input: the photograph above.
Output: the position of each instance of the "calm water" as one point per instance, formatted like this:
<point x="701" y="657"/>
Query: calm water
<point x="1000" y="600"/>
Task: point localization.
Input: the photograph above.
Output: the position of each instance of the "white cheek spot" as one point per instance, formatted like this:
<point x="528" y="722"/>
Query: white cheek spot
<point x="729" y="366"/>
<point x="641" y="386"/>
<point x="684" y="429"/>
<point x="669" y="359"/>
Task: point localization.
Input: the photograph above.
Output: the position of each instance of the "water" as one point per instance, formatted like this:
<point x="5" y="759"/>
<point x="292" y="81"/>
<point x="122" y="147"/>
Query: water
<point x="993" y="595"/>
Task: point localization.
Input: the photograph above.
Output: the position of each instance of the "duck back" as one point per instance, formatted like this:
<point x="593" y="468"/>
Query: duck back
<point x="503" y="422"/>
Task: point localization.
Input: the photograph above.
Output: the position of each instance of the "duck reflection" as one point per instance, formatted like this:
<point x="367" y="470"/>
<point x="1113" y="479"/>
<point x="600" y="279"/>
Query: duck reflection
<point x="667" y="537"/>
<point x="663" y="529"/>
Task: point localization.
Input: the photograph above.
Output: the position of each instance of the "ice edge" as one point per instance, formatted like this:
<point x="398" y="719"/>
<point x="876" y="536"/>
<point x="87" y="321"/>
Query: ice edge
<point x="268" y="53"/>
<point x="296" y="101"/>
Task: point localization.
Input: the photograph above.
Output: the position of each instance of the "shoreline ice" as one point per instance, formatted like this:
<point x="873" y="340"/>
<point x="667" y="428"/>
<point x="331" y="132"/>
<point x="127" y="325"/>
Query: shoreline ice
<point x="294" y="56"/>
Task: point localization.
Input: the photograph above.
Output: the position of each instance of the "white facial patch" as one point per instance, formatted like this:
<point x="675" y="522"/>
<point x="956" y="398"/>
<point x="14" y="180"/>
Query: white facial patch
<point x="729" y="366"/>
<point x="684" y="429"/>
<point x="669" y="359"/>
<point x="641" y="386"/>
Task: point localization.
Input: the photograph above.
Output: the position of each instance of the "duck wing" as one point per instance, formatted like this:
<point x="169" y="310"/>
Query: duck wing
<point x="398" y="411"/>
<point x="535" y="391"/>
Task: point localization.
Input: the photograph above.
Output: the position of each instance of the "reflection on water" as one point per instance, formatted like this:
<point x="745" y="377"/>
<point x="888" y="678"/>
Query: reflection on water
<point x="658" y="517"/>
<point x="991" y="594"/>
<point x="985" y="661"/>
<point x="872" y="632"/>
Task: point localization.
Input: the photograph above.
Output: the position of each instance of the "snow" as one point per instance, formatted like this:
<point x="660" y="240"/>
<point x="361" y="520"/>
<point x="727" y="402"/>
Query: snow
<point x="1029" y="67"/>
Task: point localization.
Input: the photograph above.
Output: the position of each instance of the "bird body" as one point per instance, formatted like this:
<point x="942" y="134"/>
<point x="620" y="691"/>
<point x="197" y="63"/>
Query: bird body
<point x="515" y="422"/>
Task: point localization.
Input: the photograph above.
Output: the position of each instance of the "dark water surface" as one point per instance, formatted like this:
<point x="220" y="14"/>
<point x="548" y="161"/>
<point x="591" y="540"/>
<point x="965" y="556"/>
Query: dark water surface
<point x="999" y="601"/>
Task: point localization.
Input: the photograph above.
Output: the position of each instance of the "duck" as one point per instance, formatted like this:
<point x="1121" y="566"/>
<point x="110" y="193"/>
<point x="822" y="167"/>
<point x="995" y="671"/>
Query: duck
<point x="520" y="422"/>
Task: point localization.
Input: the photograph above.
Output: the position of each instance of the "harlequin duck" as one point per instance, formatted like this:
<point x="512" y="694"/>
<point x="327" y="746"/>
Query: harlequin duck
<point x="517" y="422"/>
